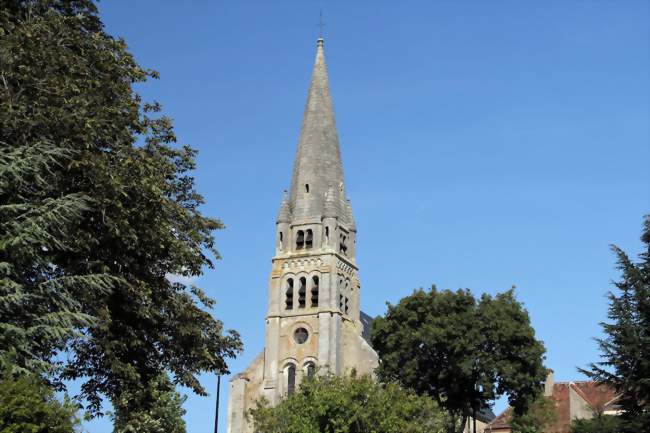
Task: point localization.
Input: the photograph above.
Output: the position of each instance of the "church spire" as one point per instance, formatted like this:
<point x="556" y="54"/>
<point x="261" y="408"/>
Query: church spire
<point x="318" y="158"/>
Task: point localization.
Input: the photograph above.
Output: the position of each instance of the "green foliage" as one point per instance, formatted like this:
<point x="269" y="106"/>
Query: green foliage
<point x="165" y="415"/>
<point x="540" y="415"/>
<point x="98" y="209"/>
<point x="462" y="352"/>
<point x="600" y="424"/>
<point x="28" y="405"/>
<point x="39" y="311"/>
<point x="625" y="351"/>
<point x="349" y="405"/>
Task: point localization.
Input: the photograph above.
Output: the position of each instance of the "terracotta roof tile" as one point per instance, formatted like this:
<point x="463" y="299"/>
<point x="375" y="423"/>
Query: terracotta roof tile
<point x="596" y="395"/>
<point x="599" y="397"/>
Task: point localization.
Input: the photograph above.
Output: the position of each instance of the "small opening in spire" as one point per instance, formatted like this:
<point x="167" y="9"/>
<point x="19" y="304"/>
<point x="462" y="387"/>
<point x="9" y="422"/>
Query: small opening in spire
<point x="307" y="188"/>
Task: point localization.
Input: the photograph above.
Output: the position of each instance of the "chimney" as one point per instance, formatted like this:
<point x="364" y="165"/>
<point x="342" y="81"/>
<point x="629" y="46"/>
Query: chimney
<point x="548" y="384"/>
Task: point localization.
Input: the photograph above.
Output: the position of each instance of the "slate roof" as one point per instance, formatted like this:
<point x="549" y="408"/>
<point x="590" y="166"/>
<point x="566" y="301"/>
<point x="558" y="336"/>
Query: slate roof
<point x="366" y="321"/>
<point x="317" y="170"/>
<point x="485" y="415"/>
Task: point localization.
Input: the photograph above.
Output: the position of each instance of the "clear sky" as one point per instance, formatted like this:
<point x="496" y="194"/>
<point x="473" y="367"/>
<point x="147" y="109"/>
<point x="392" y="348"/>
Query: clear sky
<point x="485" y="144"/>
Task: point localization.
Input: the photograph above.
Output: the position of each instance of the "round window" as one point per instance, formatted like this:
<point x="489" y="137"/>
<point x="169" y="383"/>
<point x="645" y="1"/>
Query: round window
<point x="300" y="335"/>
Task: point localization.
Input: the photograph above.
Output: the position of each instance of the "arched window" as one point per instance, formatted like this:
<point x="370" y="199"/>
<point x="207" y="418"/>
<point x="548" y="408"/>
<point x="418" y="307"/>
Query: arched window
<point x="346" y="305"/>
<point x="291" y="379"/>
<point x="327" y="235"/>
<point x="314" y="291"/>
<point x="309" y="239"/>
<point x="281" y="239"/>
<point x="289" y="295"/>
<point x="302" y="293"/>
<point x="343" y="247"/>
<point x="310" y="370"/>
<point x="340" y="285"/>
<point x="300" y="239"/>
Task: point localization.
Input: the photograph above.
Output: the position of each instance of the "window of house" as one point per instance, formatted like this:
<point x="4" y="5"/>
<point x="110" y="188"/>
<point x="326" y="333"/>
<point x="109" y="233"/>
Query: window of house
<point x="289" y="295"/>
<point x="302" y="293"/>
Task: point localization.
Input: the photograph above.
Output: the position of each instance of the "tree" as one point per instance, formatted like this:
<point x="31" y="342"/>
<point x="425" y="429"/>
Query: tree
<point x="120" y="206"/>
<point x="28" y="405"/>
<point x="165" y="416"/>
<point x="39" y="312"/>
<point x="461" y="352"/>
<point x="625" y="350"/>
<point x="600" y="424"/>
<point x="540" y="415"/>
<point x="333" y="404"/>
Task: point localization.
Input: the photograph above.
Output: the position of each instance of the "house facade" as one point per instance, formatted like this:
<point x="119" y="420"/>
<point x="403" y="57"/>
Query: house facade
<point x="573" y="400"/>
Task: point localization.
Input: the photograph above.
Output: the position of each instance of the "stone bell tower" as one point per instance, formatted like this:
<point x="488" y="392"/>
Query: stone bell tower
<point x="313" y="323"/>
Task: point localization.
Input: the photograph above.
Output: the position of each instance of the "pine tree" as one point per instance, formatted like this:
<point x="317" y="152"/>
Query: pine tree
<point x="39" y="310"/>
<point x="29" y="405"/>
<point x="625" y="350"/>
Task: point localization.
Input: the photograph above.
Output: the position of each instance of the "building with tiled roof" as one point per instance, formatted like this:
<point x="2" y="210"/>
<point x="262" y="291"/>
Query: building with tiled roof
<point x="573" y="400"/>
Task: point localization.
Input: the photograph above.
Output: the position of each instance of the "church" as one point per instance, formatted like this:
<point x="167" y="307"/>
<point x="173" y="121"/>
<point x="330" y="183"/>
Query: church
<point x="314" y="324"/>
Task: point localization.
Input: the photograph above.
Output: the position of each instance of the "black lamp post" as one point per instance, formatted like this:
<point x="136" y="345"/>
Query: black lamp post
<point x="476" y="388"/>
<point x="216" y="413"/>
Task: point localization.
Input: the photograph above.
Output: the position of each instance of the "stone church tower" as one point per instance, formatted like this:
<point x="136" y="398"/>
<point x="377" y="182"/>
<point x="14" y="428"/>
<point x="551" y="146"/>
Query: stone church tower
<point x="313" y="324"/>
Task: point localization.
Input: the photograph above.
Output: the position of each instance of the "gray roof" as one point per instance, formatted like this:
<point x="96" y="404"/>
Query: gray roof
<point x="486" y="415"/>
<point x="284" y="215"/>
<point x="317" y="171"/>
<point x="366" y="321"/>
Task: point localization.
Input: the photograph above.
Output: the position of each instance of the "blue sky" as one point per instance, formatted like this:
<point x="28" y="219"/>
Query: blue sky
<point x="485" y="144"/>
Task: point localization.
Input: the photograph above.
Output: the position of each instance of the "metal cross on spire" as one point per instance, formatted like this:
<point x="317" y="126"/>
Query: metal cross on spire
<point x="321" y="24"/>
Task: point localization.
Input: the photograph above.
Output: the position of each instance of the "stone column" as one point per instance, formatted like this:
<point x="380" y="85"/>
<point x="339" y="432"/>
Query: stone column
<point x="236" y="416"/>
